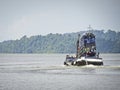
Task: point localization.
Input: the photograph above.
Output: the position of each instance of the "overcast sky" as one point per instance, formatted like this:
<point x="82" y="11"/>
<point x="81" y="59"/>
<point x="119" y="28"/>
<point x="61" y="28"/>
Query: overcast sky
<point x="35" y="17"/>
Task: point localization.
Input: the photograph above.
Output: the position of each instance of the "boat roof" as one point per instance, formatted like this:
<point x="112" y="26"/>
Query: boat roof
<point x="87" y="35"/>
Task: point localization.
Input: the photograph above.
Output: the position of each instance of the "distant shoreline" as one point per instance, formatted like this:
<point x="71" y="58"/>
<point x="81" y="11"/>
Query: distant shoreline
<point x="106" y="42"/>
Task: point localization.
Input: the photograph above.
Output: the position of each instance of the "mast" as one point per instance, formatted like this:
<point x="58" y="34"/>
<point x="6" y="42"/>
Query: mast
<point x="78" y="46"/>
<point x="89" y="28"/>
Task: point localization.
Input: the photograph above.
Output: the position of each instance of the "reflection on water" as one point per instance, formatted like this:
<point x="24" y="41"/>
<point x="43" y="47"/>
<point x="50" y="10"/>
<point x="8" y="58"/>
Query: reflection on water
<point x="47" y="72"/>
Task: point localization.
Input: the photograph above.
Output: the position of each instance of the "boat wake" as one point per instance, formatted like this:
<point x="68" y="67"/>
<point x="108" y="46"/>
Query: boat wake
<point x="60" y="69"/>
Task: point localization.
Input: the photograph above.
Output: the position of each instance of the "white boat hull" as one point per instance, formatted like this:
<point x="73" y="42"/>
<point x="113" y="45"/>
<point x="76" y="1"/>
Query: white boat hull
<point x="85" y="61"/>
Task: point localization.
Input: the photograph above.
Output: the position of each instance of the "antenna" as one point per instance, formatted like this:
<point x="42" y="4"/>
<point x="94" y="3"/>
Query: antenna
<point x="90" y="28"/>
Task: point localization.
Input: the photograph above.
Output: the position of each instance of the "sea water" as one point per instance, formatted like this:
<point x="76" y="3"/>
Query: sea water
<point x="47" y="72"/>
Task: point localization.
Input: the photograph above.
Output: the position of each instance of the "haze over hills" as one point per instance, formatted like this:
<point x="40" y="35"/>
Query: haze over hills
<point x="34" y="17"/>
<point x="107" y="42"/>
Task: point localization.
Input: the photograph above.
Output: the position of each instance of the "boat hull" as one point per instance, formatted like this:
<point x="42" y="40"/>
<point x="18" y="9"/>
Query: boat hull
<point x="85" y="61"/>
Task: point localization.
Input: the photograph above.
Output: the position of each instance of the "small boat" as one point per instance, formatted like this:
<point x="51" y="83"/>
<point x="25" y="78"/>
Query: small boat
<point x="86" y="52"/>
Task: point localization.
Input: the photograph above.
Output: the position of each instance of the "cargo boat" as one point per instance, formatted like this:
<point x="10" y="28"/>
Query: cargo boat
<point x="86" y="52"/>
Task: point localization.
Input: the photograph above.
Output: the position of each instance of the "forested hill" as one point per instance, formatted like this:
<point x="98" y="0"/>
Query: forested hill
<point x="107" y="42"/>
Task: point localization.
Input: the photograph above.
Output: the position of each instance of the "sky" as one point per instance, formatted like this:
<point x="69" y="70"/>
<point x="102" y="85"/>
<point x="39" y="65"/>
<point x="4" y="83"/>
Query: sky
<point x="41" y="17"/>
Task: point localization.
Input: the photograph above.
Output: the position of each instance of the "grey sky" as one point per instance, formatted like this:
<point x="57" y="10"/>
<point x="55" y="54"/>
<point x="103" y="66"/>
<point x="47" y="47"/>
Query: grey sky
<point x="34" y="17"/>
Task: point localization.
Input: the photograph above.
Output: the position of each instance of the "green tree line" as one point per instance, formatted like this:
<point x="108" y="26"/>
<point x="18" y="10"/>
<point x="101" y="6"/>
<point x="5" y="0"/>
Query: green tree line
<point x="107" y="42"/>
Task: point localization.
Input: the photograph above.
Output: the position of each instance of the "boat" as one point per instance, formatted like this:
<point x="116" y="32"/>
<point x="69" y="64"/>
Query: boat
<point x="86" y="52"/>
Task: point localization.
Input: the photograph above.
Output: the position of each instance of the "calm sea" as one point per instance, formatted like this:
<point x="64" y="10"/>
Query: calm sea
<point x="47" y="72"/>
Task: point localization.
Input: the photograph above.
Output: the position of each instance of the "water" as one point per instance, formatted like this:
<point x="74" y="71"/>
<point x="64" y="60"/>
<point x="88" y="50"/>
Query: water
<point x="47" y="72"/>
